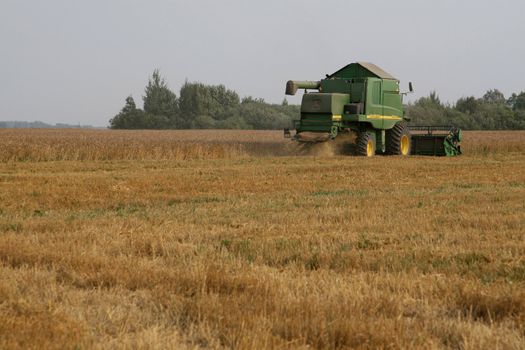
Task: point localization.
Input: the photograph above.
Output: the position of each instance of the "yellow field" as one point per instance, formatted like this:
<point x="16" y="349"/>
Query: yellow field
<point x="82" y="145"/>
<point x="240" y="239"/>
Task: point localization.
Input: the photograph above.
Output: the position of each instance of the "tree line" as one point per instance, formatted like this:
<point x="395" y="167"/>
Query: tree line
<point x="39" y="125"/>
<point x="491" y="112"/>
<point x="201" y="106"/>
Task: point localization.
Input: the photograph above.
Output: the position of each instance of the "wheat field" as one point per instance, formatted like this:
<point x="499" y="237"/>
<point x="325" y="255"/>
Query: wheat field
<point x="244" y="240"/>
<point x="19" y="145"/>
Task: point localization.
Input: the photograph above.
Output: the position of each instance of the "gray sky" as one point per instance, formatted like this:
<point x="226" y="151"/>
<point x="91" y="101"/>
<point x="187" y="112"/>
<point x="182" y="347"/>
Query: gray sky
<point x="75" y="61"/>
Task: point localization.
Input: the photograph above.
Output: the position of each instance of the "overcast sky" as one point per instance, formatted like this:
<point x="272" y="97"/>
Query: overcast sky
<point x="75" y="62"/>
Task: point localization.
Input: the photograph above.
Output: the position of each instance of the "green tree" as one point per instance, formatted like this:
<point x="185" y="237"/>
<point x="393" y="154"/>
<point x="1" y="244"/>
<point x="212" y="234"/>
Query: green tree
<point x="432" y="101"/>
<point x="131" y="117"/>
<point x="494" y="96"/>
<point x="467" y="105"/>
<point x="494" y="116"/>
<point x="427" y="110"/>
<point x="127" y="116"/>
<point x="260" y="115"/>
<point x="198" y="100"/>
<point x="517" y="101"/>
<point x="159" y="100"/>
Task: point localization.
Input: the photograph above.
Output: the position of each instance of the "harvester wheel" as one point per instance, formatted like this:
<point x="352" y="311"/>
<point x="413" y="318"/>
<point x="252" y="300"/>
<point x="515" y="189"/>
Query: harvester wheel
<point x="398" y="140"/>
<point x="365" y="144"/>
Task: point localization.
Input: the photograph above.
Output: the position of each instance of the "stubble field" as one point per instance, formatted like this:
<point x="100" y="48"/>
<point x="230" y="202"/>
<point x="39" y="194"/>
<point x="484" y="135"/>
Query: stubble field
<point x="240" y="239"/>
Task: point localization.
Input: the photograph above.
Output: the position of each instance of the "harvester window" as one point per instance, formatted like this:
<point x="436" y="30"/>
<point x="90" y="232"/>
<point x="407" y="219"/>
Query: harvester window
<point x="376" y="93"/>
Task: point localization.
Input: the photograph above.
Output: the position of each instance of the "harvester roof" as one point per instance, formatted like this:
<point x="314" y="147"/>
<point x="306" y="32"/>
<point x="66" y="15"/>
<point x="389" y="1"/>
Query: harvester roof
<point x="362" y="70"/>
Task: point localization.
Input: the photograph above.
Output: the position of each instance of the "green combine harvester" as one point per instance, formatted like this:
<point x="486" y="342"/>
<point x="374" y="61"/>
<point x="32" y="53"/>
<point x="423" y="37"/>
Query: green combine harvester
<point x="364" y="99"/>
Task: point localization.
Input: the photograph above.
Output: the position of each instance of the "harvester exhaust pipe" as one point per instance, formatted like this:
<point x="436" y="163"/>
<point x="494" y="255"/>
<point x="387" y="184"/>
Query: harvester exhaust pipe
<point x="293" y="85"/>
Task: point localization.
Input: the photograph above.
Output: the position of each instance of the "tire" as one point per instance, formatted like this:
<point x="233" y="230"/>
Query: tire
<point x="398" y="140"/>
<point x="365" y="144"/>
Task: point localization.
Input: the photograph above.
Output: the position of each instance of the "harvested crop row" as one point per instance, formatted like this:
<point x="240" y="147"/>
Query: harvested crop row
<point x="82" y="145"/>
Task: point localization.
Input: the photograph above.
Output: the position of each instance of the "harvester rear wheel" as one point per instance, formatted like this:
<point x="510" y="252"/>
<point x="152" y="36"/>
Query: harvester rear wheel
<point x="365" y="144"/>
<point x="398" y="140"/>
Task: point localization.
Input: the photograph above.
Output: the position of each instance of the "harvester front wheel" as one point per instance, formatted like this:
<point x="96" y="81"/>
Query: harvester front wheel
<point x="398" y="140"/>
<point x="365" y="144"/>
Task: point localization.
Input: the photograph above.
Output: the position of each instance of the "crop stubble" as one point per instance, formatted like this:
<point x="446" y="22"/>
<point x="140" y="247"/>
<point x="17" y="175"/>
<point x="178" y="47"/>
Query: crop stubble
<point x="143" y="239"/>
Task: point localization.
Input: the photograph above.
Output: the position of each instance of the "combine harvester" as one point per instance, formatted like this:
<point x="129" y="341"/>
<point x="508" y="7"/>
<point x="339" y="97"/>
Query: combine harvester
<point x="364" y="99"/>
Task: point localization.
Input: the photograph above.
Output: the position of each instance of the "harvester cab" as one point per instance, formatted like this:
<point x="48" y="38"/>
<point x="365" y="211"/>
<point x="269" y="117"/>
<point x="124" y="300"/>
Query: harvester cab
<point x="360" y="98"/>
